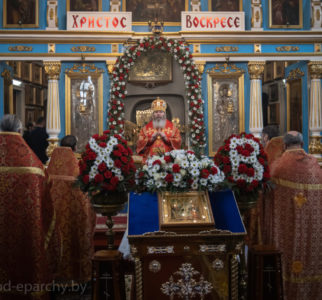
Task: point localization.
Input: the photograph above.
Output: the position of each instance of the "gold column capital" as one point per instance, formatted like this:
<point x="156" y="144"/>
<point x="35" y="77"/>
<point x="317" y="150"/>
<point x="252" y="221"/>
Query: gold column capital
<point x="200" y="66"/>
<point x="52" y="69"/>
<point x="7" y="77"/>
<point x="256" y="69"/>
<point x="315" y="68"/>
<point x="110" y="65"/>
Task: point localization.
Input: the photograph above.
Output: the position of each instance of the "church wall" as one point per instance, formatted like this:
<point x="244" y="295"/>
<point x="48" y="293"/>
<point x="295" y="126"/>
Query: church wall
<point x="204" y="7"/>
<point x="210" y="51"/>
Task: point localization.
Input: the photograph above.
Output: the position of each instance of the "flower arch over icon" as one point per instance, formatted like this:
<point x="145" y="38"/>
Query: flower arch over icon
<point x="180" y="51"/>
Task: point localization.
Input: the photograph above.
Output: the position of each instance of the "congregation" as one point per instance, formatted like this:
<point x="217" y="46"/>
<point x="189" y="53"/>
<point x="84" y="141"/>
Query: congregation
<point x="40" y="206"/>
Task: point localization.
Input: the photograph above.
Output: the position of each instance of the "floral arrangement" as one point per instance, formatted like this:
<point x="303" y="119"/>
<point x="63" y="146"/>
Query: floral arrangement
<point x="179" y="171"/>
<point x="106" y="166"/>
<point x="180" y="51"/>
<point x="244" y="163"/>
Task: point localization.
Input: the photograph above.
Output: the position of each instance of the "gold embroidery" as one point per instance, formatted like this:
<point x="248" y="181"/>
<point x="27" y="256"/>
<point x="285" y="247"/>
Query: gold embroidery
<point x="22" y="170"/>
<point x="297" y="266"/>
<point x="50" y="230"/>
<point x="300" y="199"/>
<point x="297" y="185"/>
<point x="293" y="150"/>
<point x="167" y="130"/>
<point x="62" y="177"/>
<point x="150" y="131"/>
<point x="9" y="133"/>
<point x="303" y="279"/>
<point x="58" y="163"/>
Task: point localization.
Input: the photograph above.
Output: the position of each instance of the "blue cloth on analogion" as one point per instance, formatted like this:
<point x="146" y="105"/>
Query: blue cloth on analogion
<point x="143" y="212"/>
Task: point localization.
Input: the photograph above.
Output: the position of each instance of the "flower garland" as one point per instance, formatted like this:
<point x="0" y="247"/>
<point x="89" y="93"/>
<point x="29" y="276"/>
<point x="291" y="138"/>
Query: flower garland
<point x="244" y="163"/>
<point x="180" y="51"/>
<point x="179" y="171"/>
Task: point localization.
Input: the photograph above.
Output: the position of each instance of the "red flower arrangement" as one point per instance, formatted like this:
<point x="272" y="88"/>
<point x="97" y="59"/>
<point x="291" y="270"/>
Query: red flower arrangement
<point x="106" y="165"/>
<point x="244" y="162"/>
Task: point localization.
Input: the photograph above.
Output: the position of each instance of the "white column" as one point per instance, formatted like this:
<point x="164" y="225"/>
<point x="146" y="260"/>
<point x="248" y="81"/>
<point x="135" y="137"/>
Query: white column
<point x="52" y="16"/>
<point x="53" y="110"/>
<point x="315" y="116"/>
<point x="256" y="70"/>
<point x="316" y="17"/>
<point x="257" y="15"/>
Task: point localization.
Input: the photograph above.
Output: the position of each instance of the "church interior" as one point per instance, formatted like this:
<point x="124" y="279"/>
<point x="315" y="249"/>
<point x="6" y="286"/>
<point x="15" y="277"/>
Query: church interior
<point x="222" y="68"/>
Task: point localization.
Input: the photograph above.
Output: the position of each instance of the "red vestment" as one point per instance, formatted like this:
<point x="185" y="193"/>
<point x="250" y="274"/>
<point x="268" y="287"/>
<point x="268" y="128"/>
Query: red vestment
<point x="146" y="149"/>
<point x="27" y="221"/>
<point x="295" y="223"/>
<point x="274" y="150"/>
<point x="75" y="218"/>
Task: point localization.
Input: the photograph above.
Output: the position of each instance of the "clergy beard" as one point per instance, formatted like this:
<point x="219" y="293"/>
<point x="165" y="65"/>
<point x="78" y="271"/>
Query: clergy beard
<point x="158" y="123"/>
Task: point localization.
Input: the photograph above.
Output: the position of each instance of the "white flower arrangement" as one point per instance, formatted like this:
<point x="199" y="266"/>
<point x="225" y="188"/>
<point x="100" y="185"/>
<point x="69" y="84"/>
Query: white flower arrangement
<point x="179" y="171"/>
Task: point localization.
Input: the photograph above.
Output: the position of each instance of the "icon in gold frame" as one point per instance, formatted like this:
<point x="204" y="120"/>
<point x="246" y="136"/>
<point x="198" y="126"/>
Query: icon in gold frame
<point x="189" y="211"/>
<point x="21" y="14"/>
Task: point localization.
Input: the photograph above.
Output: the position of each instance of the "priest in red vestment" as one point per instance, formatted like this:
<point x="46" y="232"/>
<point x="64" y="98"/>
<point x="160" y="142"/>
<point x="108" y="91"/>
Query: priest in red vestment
<point x="75" y="217"/>
<point x="296" y="219"/>
<point x="159" y="135"/>
<point x="27" y="219"/>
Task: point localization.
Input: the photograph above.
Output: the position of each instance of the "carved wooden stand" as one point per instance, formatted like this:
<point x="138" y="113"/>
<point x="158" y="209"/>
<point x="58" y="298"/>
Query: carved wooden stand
<point x="265" y="274"/>
<point x="108" y="278"/>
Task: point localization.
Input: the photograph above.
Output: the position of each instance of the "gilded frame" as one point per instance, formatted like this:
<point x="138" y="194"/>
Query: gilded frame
<point x="214" y="75"/>
<point x="75" y="74"/>
<point x="99" y="5"/>
<point x="240" y="5"/>
<point x="33" y="8"/>
<point x="293" y="89"/>
<point x="144" y="70"/>
<point x="275" y="8"/>
<point x="125" y="5"/>
<point x="185" y="211"/>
